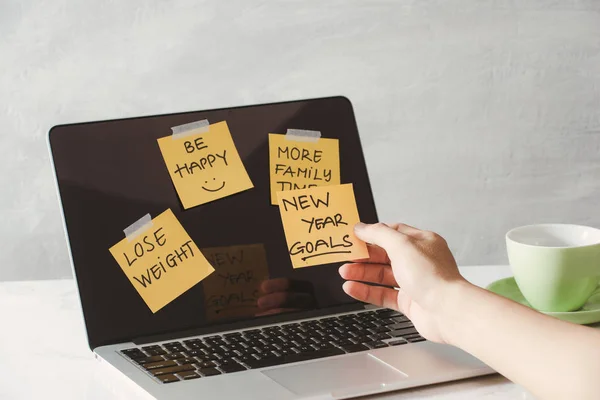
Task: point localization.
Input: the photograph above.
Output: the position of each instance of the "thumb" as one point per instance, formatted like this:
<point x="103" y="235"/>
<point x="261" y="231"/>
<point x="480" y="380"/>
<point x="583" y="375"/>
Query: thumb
<point x="381" y="235"/>
<point x="404" y="302"/>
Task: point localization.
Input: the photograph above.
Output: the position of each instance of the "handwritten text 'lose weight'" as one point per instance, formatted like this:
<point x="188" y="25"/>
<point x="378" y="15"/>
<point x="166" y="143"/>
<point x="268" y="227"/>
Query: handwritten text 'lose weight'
<point x="163" y="262"/>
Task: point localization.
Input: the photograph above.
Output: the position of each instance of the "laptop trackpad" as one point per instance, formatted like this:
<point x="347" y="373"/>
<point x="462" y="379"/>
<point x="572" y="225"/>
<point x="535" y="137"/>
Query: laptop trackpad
<point x="327" y="376"/>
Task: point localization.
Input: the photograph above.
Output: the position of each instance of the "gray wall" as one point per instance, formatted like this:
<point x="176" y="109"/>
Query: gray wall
<point x="476" y="116"/>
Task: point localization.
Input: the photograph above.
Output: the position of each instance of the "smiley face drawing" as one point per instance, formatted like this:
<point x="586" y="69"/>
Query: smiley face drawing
<point x="213" y="190"/>
<point x="204" y="166"/>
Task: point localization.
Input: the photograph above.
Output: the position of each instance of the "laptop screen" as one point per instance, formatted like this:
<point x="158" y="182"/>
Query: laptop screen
<point x="111" y="173"/>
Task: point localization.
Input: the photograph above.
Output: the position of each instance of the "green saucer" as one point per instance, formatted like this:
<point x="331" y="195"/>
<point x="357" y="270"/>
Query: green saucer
<point x="588" y="314"/>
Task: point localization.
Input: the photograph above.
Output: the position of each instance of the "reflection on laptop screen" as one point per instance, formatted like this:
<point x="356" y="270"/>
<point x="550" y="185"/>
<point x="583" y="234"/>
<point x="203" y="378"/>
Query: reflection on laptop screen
<point x="111" y="173"/>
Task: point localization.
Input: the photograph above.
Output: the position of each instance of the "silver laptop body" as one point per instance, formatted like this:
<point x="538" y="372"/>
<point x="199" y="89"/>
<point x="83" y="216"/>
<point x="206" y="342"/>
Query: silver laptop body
<point x="110" y="309"/>
<point x="337" y="377"/>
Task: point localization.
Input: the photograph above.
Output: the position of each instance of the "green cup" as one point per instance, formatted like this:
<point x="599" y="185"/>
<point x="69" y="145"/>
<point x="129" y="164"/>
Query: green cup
<point x="556" y="266"/>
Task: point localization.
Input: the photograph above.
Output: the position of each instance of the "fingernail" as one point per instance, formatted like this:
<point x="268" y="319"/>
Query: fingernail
<point x="359" y="227"/>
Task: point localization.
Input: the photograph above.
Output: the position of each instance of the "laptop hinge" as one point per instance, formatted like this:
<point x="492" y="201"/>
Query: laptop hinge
<point x="249" y="324"/>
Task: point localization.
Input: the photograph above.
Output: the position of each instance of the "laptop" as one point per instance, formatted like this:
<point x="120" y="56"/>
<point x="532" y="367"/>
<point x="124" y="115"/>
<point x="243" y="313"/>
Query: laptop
<point x="256" y="328"/>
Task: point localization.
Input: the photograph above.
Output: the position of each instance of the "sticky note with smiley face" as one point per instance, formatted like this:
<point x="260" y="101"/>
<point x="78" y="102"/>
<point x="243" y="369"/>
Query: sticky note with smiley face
<point x="204" y="166"/>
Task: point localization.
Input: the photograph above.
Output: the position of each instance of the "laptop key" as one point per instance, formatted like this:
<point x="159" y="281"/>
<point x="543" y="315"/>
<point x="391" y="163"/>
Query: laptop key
<point x="306" y="349"/>
<point x="134" y="354"/>
<point x="184" y="361"/>
<point x="402" y="332"/>
<point x="174" y="346"/>
<point x="397" y="342"/>
<point x="376" y="344"/>
<point x="172" y="370"/>
<point x="343" y="342"/>
<point x="285" y="352"/>
<point x="389" y="314"/>
<point x="354" y="348"/>
<point x="313" y="355"/>
<point x="168" y="378"/>
<point x="314" y="340"/>
<point x="174" y="356"/>
<point x="187" y="375"/>
<point x="380" y="329"/>
<point x="325" y="345"/>
<point x="380" y="336"/>
<point x="209" y="371"/>
<point x="159" y="364"/>
<point x="206" y="364"/>
<point x="246" y="352"/>
<point x="245" y="358"/>
<point x="226" y="355"/>
<point x="386" y="321"/>
<point x="273" y="353"/>
<point x="156" y="352"/>
<point x="232" y="367"/>
<point x="400" y="325"/>
<point x="360" y="339"/>
<point x="148" y="360"/>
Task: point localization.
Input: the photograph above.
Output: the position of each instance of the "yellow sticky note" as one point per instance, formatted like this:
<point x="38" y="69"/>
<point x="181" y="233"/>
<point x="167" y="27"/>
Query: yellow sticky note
<point x="233" y="290"/>
<point x="162" y="262"/>
<point x="319" y="225"/>
<point x="298" y="165"/>
<point x="204" y="166"/>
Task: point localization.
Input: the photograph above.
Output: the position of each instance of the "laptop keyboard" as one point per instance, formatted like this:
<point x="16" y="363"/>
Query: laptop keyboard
<point x="273" y="345"/>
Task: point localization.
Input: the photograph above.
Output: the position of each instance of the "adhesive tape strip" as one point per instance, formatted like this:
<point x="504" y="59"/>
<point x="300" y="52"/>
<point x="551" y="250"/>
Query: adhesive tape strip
<point x="139" y="226"/>
<point x="191" y="128"/>
<point x="302" y="135"/>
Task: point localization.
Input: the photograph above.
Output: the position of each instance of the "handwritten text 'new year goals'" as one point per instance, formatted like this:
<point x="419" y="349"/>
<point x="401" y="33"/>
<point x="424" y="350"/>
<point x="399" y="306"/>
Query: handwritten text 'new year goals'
<point x="326" y="245"/>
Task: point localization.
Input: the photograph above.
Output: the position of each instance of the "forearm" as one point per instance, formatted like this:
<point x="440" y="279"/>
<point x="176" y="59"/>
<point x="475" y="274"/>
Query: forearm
<point x="551" y="358"/>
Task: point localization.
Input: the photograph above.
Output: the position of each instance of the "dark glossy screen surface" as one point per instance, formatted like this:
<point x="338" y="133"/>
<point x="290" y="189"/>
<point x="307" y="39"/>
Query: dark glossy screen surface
<point x="110" y="173"/>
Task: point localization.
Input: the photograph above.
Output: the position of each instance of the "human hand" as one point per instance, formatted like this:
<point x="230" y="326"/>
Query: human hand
<point x="417" y="262"/>
<point x="283" y="294"/>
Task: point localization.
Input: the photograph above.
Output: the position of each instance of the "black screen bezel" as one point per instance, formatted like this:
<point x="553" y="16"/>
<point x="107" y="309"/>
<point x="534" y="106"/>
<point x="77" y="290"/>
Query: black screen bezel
<point x="154" y="336"/>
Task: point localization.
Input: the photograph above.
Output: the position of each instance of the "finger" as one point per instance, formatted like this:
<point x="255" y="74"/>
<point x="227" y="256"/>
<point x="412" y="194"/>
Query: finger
<point x="274" y="311"/>
<point x="378" y="295"/>
<point x="408" y="230"/>
<point x="377" y="255"/>
<point x="389" y="239"/>
<point x="373" y="273"/>
<point x="404" y="302"/>
<point x="275" y="285"/>
<point x="286" y="285"/>
<point x="285" y="299"/>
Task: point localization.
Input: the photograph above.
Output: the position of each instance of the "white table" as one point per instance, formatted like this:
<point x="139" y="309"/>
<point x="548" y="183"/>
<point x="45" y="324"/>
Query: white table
<point x="44" y="352"/>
